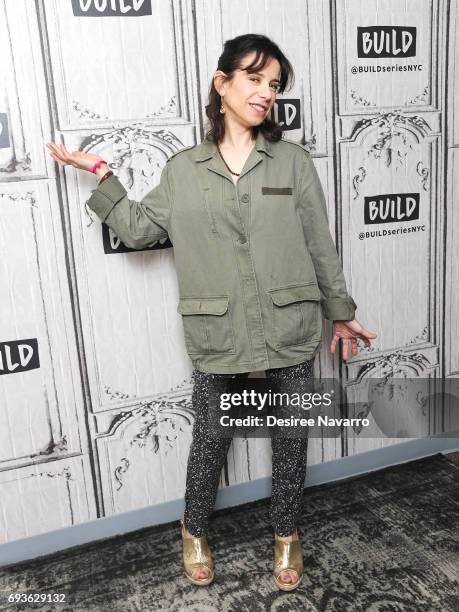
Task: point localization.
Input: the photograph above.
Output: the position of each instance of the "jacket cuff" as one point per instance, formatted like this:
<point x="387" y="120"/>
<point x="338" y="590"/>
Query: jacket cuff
<point x="106" y="196"/>
<point x="339" y="309"/>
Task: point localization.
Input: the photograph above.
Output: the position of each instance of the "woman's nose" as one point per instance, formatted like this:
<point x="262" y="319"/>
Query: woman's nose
<point x="266" y="93"/>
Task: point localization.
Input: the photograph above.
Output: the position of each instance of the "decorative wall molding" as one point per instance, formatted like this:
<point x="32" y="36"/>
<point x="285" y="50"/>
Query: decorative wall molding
<point x="360" y="101"/>
<point x="395" y="131"/>
<point x="421" y="98"/>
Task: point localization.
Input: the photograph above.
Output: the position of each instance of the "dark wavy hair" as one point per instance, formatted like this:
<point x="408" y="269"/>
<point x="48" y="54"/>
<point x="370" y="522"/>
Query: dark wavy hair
<point x="234" y="51"/>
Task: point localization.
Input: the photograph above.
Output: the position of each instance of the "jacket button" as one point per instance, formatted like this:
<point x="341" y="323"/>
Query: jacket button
<point x="245" y="197"/>
<point x="242" y="239"/>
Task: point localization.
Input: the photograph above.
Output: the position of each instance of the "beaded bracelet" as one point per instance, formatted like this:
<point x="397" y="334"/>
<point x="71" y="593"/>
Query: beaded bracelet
<point x="97" y="164"/>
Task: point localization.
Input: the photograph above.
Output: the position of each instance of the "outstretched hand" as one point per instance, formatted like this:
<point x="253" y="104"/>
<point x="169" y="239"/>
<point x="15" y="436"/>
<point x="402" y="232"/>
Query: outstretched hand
<point x="350" y="332"/>
<point x="77" y="159"/>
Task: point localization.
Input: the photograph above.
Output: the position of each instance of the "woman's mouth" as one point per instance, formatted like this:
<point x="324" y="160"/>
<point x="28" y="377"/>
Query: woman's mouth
<point x="259" y="108"/>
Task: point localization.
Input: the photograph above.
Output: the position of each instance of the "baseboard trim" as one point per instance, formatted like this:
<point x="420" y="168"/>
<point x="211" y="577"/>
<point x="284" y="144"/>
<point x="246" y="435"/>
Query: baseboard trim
<point x="106" y="527"/>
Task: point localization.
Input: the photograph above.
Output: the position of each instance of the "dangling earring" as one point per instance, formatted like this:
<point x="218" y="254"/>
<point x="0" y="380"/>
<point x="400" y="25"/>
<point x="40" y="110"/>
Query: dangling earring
<point x="222" y="110"/>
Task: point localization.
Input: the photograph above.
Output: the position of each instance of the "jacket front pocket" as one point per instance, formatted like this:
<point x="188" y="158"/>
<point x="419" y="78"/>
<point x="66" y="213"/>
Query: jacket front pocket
<point x="296" y="315"/>
<point x="207" y="325"/>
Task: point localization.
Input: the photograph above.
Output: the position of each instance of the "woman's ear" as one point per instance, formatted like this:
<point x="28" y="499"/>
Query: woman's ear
<point x="220" y="82"/>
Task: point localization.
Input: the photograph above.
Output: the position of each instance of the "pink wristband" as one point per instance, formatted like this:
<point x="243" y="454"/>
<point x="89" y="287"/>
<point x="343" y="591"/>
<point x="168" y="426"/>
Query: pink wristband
<point x="97" y="164"/>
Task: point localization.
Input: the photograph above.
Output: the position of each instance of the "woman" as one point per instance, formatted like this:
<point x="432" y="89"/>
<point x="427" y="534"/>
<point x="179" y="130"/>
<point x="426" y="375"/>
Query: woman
<point x="257" y="268"/>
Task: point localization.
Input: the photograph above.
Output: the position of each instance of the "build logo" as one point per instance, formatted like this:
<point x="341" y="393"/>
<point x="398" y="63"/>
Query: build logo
<point x="386" y="41"/>
<point x="112" y="244"/>
<point x="391" y="207"/>
<point x="286" y="112"/>
<point x="19" y="356"/>
<point x="111" y="8"/>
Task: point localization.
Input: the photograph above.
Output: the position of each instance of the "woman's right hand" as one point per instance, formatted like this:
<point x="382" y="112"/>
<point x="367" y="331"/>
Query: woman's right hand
<point x="77" y="159"/>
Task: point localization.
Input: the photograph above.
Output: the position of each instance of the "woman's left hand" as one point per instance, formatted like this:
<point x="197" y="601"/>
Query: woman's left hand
<point x="349" y="332"/>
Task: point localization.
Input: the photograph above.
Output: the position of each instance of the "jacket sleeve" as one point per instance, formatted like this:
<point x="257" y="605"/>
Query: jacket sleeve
<point x="337" y="304"/>
<point x="137" y="224"/>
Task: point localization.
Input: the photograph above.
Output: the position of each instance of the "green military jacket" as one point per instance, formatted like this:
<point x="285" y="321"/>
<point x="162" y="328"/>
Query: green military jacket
<point x="256" y="264"/>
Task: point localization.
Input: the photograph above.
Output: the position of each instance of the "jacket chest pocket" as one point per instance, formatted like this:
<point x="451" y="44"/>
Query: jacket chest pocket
<point x="207" y="325"/>
<point x="296" y="315"/>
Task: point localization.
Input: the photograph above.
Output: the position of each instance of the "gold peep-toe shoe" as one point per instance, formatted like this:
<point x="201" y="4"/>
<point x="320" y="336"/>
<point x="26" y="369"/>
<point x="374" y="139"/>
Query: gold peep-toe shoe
<point x="288" y="556"/>
<point x="196" y="553"/>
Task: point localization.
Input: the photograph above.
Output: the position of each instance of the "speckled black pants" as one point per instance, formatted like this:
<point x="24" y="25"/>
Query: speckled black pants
<point x="208" y="453"/>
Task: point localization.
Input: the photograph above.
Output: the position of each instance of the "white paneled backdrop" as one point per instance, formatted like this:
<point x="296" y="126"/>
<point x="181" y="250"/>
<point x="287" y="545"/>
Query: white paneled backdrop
<point x="95" y="411"/>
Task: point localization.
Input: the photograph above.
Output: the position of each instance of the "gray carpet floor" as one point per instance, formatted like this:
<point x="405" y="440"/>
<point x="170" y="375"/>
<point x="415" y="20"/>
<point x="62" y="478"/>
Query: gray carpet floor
<point x="383" y="542"/>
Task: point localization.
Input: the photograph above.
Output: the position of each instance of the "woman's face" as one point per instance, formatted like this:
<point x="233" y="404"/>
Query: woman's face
<point x="249" y="97"/>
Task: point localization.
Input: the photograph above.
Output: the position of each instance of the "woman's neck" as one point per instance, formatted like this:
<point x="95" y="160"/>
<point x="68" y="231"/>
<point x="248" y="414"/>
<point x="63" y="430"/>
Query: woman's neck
<point x="237" y="138"/>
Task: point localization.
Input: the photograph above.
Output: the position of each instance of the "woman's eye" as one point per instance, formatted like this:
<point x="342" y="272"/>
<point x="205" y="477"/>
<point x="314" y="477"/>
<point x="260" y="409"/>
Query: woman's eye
<point x="257" y="80"/>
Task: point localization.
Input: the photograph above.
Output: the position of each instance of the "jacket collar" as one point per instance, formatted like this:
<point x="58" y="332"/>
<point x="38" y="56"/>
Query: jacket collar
<point x="208" y="149"/>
